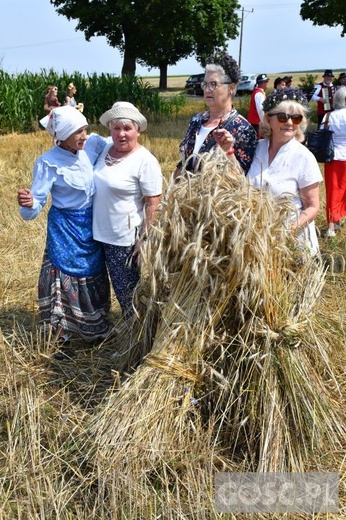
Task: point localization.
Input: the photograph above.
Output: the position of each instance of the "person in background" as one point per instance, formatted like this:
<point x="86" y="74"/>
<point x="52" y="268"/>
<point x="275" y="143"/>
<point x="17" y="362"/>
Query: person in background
<point x="258" y="95"/>
<point x="51" y="99"/>
<point x="342" y="80"/>
<point x="70" y="99"/>
<point x="128" y="182"/>
<point x="279" y="84"/>
<point x="288" y="81"/>
<point x="284" y="166"/>
<point x="323" y="94"/>
<point x="219" y="125"/>
<point x="73" y="286"/>
<point x="335" y="171"/>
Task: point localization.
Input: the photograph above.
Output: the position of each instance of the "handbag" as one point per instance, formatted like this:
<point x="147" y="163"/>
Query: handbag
<point x="320" y="143"/>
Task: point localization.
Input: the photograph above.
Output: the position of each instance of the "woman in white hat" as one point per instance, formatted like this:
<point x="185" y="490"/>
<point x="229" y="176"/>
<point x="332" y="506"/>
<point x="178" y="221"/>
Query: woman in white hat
<point x="73" y="287"/>
<point x="128" y="182"/>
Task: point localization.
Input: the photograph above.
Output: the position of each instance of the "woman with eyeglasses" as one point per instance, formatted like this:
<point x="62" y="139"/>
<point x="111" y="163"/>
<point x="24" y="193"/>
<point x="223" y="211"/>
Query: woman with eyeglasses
<point x="283" y="165"/>
<point x="219" y="125"/>
<point x="51" y="99"/>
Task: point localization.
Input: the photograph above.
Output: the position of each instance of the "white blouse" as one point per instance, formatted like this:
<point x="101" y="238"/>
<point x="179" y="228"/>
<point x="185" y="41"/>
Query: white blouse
<point x="293" y="168"/>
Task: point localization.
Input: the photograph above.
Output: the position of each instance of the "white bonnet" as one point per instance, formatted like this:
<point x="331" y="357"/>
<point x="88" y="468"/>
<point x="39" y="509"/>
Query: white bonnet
<point x="63" y="121"/>
<point x="124" y="110"/>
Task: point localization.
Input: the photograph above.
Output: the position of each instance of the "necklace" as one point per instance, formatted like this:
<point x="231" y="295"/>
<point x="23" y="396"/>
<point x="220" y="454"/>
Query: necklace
<point x="109" y="160"/>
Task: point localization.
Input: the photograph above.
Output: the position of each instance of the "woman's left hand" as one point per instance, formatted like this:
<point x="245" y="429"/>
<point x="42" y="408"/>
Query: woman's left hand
<point x="224" y="139"/>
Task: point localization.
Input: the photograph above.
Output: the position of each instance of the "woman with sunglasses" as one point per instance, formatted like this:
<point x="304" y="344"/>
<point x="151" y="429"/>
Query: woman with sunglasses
<point x="283" y="165"/>
<point x="220" y="125"/>
<point x="51" y="99"/>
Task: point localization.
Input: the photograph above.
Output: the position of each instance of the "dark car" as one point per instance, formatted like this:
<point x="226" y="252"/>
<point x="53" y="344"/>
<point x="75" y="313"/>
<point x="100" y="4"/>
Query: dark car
<point x="193" y="84"/>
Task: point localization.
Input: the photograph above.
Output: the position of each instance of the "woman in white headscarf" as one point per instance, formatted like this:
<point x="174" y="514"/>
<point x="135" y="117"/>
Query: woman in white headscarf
<point x="73" y="287"/>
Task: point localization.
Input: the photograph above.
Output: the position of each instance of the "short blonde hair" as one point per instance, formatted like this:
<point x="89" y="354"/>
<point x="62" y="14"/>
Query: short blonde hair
<point x="288" y="107"/>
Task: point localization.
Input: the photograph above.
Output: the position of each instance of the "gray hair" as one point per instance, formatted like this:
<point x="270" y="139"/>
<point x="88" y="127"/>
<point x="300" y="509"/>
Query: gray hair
<point x="289" y="107"/>
<point x="212" y="67"/>
<point x="124" y="121"/>
<point x="339" y="99"/>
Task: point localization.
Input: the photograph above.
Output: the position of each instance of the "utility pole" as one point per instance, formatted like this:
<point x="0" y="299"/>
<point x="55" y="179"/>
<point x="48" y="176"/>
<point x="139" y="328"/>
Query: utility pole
<point x="241" y="34"/>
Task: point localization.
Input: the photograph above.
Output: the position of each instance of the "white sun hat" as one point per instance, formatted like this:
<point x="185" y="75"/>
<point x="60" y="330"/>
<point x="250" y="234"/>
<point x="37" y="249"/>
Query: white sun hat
<point x="124" y="110"/>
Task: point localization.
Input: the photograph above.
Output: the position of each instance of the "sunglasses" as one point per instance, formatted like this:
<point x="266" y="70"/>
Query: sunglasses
<point x="283" y="118"/>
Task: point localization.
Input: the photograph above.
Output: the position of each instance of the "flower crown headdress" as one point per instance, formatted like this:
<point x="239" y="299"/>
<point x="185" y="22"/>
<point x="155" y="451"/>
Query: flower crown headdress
<point x="286" y="94"/>
<point x="228" y="64"/>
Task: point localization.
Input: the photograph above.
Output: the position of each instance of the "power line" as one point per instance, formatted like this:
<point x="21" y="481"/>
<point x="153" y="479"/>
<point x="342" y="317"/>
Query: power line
<point x="36" y="44"/>
<point x="270" y="6"/>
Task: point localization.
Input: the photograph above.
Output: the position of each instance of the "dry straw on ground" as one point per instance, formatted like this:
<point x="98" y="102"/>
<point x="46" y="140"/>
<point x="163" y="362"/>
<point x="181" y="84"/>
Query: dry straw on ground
<point x="50" y="467"/>
<point x="234" y="374"/>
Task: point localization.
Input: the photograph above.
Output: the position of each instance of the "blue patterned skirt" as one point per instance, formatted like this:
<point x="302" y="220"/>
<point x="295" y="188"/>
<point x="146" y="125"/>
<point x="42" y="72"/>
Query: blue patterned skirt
<point x="70" y="242"/>
<point x="73" y="287"/>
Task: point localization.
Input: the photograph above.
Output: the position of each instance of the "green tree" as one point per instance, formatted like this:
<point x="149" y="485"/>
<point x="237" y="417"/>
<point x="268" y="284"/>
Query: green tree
<point x="325" y="12"/>
<point x="156" y="33"/>
<point x="187" y="27"/>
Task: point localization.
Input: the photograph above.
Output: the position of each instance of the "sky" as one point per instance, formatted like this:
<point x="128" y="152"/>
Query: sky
<point x="274" y="39"/>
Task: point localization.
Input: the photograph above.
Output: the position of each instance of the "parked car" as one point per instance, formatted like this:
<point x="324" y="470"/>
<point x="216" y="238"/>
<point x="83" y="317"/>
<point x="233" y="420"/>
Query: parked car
<point x="246" y="84"/>
<point x="193" y="84"/>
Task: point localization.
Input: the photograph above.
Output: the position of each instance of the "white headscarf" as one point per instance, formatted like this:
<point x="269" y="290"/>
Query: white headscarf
<point x="63" y="121"/>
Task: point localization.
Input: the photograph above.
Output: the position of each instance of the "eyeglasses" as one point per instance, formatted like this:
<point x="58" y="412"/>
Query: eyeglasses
<point x="283" y="118"/>
<point x="212" y="85"/>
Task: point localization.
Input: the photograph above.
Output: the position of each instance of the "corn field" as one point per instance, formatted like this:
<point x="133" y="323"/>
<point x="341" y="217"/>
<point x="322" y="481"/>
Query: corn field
<point x="22" y="95"/>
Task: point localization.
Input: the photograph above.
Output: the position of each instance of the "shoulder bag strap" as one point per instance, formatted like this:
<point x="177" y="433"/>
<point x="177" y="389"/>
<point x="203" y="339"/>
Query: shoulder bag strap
<point x="326" y="121"/>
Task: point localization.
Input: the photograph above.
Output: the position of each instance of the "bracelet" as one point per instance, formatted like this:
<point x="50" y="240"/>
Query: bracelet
<point x="230" y="152"/>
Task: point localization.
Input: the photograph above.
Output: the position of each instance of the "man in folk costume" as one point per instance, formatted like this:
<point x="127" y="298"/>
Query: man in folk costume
<point x="323" y="94"/>
<point x="255" y="114"/>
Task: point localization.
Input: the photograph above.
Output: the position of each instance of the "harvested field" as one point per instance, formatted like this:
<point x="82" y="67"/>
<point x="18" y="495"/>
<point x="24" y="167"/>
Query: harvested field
<point x="136" y="427"/>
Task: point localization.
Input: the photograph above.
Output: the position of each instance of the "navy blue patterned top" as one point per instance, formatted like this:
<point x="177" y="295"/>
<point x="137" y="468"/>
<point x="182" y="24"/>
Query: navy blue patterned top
<point x="245" y="138"/>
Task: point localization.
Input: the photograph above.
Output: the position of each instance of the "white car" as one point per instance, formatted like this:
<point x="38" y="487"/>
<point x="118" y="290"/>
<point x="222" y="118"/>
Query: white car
<point x="246" y="84"/>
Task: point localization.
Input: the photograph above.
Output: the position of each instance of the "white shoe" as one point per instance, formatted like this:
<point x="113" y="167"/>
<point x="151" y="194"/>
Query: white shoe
<point x="330" y="233"/>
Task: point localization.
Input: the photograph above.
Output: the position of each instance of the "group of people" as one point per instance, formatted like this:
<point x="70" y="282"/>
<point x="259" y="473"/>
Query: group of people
<point x="51" y="99"/>
<point x="279" y="162"/>
<point x="105" y="191"/>
<point x="331" y="112"/>
<point x="330" y="99"/>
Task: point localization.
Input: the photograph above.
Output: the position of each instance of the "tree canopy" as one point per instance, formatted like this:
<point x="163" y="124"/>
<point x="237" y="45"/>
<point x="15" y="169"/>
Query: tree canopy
<point x="155" y="33"/>
<point x="325" y="12"/>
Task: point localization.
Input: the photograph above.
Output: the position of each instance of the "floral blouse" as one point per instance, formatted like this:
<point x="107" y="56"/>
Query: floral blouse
<point x="245" y="138"/>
